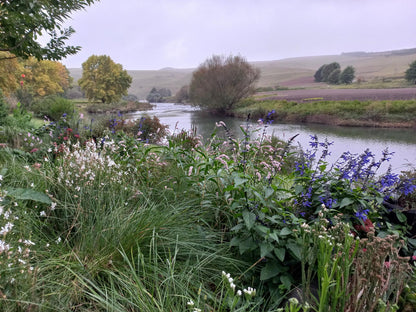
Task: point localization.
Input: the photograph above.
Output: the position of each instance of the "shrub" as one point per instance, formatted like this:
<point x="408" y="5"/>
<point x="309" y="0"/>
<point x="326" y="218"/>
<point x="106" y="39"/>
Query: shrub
<point x="53" y="107"/>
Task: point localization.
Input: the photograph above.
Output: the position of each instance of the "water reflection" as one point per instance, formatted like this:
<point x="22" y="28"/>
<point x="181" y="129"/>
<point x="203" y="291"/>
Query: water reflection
<point x="353" y="139"/>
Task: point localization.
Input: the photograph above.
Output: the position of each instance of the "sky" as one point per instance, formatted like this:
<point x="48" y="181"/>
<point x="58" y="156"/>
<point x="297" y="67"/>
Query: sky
<point x="155" y="34"/>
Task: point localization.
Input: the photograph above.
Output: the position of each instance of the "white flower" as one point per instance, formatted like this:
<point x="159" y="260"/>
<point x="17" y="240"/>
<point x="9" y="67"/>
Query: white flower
<point x="53" y="206"/>
<point x="232" y="285"/>
<point x="43" y="214"/>
<point x="190" y="303"/>
<point x="239" y="292"/>
<point x="1" y="177"/>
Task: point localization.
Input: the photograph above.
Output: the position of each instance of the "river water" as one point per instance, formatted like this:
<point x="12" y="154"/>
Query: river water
<point x="353" y="139"/>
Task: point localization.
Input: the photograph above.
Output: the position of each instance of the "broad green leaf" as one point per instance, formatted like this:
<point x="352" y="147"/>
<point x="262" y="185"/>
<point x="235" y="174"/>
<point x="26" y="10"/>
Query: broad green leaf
<point x="346" y="201"/>
<point x="280" y="253"/>
<point x="249" y="218"/>
<point x="268" y="192"/>
<point x="247" y="245"/>
<point x="265" y="249"/>
<point x="295" y="249"/>
<point x="286" y="280"/>
<point x="400" y="216"/>
<point x="238" y="181"/>
<point x="274" y="236"/>
<point x="29" y="194"/>
<point x="285" y="231"/>
<point x="271" y="269"/>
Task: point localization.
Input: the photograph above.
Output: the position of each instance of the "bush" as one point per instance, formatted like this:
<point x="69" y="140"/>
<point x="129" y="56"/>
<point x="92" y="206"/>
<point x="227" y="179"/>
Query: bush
<point x="53" y="107"/>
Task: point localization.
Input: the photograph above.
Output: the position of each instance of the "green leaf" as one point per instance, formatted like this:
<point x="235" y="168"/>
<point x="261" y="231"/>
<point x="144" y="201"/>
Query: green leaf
<point x="247" y="244"/>
<point x="249" y="219"/>
<point x="285" y="231"/>
<point x="400" y="216"/>
<point x="238" y="181"/>
<point x="346" y="201"/>
<point x="280" y="253"/>
<point x="29" y="194"/>
<point x="271" y="269"/>
<point x="286" y="281"/>
<point x="274" y="236"/>
<point x="265" y="249"/>
<point x="295" y="249"/>
<point x="268" y="192"/>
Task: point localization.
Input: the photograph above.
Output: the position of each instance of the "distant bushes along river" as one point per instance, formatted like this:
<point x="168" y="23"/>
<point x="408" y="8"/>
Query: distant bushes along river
<point x="124" y="216"/>
<point x="400" y="113"/>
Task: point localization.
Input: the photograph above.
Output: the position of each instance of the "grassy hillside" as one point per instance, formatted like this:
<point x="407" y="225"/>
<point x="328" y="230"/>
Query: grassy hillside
<point x="291" y="72"/>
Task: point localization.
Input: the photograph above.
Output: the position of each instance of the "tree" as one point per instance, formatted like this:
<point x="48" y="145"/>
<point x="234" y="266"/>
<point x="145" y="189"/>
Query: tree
<point x="318" y="74"/>
<point x="158" y="95"/>
<point x="103" y="80"/>
<point x="347" y="75"/>
<point x="44" y="78"/>
<point x="411" y="73"/>
<point x="220" y="83"/>
<point x="24" y="21"/>
<point x="328" y="69"/>
<point x="333" y="77"/>
<point x="9" y="73"/>
<point x="182" y="95"/>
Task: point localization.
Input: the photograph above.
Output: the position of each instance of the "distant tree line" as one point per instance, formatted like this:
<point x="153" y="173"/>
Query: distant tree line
<point x="332" y="74"/>
<point x="158" y="95"/>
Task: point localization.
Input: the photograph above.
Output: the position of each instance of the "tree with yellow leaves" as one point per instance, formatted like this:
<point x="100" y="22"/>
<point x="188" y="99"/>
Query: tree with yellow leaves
<point x="103" y="79"/>
<point x="44" y="78"/>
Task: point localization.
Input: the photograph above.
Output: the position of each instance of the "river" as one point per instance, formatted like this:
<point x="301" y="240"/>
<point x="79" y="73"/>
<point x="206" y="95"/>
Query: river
<point x="353" y="139"/>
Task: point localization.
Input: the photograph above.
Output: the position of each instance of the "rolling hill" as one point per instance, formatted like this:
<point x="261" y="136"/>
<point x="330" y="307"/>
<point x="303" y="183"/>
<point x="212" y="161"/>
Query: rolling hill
<point x="290" y="72"/>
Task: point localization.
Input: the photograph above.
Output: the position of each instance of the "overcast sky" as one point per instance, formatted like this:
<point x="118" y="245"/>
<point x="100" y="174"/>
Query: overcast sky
<point x="153" y="34"/>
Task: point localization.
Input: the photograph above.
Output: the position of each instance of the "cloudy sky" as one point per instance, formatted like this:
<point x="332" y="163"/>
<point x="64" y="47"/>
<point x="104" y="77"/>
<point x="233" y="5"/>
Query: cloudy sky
<point x="153" y="34"/>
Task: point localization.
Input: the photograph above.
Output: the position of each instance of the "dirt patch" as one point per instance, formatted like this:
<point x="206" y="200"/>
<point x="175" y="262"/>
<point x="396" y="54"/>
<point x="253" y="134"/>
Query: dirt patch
<point x="345" y="95"/>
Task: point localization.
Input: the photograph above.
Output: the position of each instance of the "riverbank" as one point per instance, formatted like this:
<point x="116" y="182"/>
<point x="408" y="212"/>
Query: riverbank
<point x="112" y="108"/>
<point x="359" y="113"/>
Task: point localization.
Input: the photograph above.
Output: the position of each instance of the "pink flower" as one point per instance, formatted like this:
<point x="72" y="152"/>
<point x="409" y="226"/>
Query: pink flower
<point x="387" y="264"/>
<point x="65" y="138"/>
<point x="414" y="258"/>
<point x="34" y="150"/>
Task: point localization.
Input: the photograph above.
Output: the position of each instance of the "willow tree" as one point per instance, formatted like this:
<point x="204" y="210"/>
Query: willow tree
<point x="104" y="80"/>
<point x="220" y="83"/>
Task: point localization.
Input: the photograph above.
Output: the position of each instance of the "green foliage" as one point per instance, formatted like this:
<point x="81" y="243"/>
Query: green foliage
<point x="53" y="107"/>
<point x="348" y="112"/>
<point x="103" y="80"/>
<point x="347" y="76"/>
<point x="220" y="83"/>
<point x="4" y="109"/>
<point x="334" y="76"/>
<point x="182" y="96"/>
<point x="22" y="22"/>
<point x="411" y="73"/>
<point x="158" y="95"/>
<point x="328" y="69"/>
<point x="318" y="74"/>
<point x="115" y="224"/>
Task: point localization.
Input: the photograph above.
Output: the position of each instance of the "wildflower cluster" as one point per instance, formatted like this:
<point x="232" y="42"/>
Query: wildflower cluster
<point x="90" y="165"/>
<point x="30" y="142"/>
<point x="352" y="185"/>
